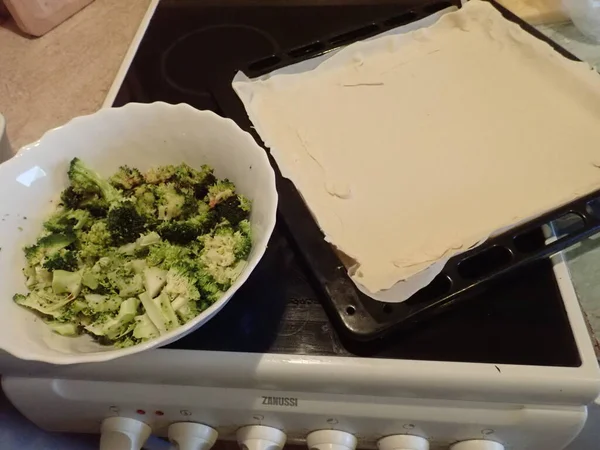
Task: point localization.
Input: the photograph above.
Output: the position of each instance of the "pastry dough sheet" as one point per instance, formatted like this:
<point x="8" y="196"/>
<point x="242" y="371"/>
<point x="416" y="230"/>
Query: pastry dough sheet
<point x="411" y="148"/>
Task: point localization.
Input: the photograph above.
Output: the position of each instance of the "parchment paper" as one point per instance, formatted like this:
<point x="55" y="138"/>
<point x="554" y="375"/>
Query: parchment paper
<point x="493" y="56"/>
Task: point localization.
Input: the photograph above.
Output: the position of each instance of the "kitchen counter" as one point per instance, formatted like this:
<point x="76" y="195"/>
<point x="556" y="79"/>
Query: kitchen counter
<point x="44" y="82"/>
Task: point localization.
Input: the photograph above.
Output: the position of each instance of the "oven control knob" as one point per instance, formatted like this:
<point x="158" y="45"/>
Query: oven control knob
<point x="258" y="437"/>
<point x="123" y="433"/>
<point x="403" y="442"/>
<point x="330" y="440"/>
<point x="191" y="436"/>
<point x="477" y="444"/>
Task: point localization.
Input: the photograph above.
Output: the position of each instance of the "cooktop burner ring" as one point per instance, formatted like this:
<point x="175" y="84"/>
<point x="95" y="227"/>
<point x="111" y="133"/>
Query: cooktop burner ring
<point x="193" y="37"/>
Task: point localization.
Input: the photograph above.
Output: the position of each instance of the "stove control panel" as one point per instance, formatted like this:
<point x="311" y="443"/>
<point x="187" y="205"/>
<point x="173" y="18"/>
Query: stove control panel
<point x="128" y="412"/>
<point x="479" y="444"/>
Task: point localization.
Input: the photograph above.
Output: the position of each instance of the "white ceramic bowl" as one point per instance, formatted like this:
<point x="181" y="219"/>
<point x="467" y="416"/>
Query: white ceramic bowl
<point x="138" y="135"/>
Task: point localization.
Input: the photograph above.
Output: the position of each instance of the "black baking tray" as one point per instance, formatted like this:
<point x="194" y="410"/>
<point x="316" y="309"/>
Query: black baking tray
<point x="464" y="276"/>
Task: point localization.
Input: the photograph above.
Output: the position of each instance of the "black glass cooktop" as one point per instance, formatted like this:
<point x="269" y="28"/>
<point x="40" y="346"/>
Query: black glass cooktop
<point x="189" y="54"/>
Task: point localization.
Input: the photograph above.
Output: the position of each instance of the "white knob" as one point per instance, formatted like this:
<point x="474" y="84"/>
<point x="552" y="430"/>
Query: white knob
<point x="478" y="444"/>
<point x="258" y="437"/>
<point x="123" y="433"/>
<point x="330" y="440"/>
<point x="192" y="436"/>
<point x="403" y="442"/>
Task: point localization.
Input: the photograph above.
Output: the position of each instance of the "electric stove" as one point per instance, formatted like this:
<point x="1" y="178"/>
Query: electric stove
<point x="513" y="365"/>
<point x="189" y="54"/>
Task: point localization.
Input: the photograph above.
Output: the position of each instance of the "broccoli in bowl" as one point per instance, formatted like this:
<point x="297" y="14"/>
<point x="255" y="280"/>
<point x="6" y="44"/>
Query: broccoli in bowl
<point x="131" y="257"/>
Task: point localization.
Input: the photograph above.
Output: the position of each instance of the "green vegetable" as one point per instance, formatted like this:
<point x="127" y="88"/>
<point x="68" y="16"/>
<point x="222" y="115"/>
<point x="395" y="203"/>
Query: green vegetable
<point x="61" y="260"/>
<point x="135" y="255"/>
<point x="219" y="192"/>
<point x="124" y="223"/>
<point x="234" y="209"/>
<point x="160" y="175"/>
<point x="185" y="231"/>
<point x="221" y="253"/>
<point x="154" y="312"/>
<point x="67" y="220"/>
<point x="181" y="283"/>
<point x="69" y="282"/>
<point x="154" y="280"/>
<point x="85" y="181"/>
<point x="115" y="326"/>
<point x="170" y="202"/>
<point x="47" y="246"/>
<point x="63" y="328"/>
<point x="126" y="178"/>
<point x="95" y="242"/>
<point x="102" y="303"/>
<point x="43" y="301"/>
<point x="144" y="328"/>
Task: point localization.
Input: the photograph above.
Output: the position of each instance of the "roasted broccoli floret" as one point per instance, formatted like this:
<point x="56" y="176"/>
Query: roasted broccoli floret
<point x="185" y="231"/>
<point x="208" y="287"/>
<point x="154" y="280"/>
<point x="63" y="328"/>
<point x="71" y="199"/>
<point x="187" y="311"/>
<point x="47" y="246"/>
<point x="196" y="181"/>
<point x="220" y="191"/>
<point x="96" y="205"/>
<point x="127" y="341"/>
<point x="240" y="239"/>
<point x="234" y="209"/>
<point x="145" y="200"/>
<point x="170" y="202"/>
<point x="160" y="311"/>
<point x="92" y="202"/>
<point x="166" y="255"/>
<point x="85" y="181"/>
<point x="160" y="174"/>
<point x="45" y="302"/>
<point x="222" y="252"/>
<point x="144" y="328"/>
<point x="95" y="242"/>
<point x="181" y="232"/>
<point x="68" y="220"/>
<point x="66" y="282"/>
<point x="186" y="176"/>
<point x="102" y="303"/>
<point x="201" y="188"/>
<point x="112" y="327"/>
<point x="124" y="223"/>
<point x="132" y="257"/>
<point x="181" y="282"/>
<point x="126" y="178"/>
<point x="61" y="260"/>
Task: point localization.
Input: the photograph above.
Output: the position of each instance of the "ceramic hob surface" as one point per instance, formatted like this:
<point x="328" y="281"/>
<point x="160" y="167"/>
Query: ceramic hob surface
<point x="189" y="54"/>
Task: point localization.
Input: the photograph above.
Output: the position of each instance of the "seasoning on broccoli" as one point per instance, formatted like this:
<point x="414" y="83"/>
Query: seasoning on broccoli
<point x="235" y="209"/>
<point x="127" y="258"/>
<point x="124" y="223"/>
<point x="61" y="260"/>
<point x="127" y="178"/>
